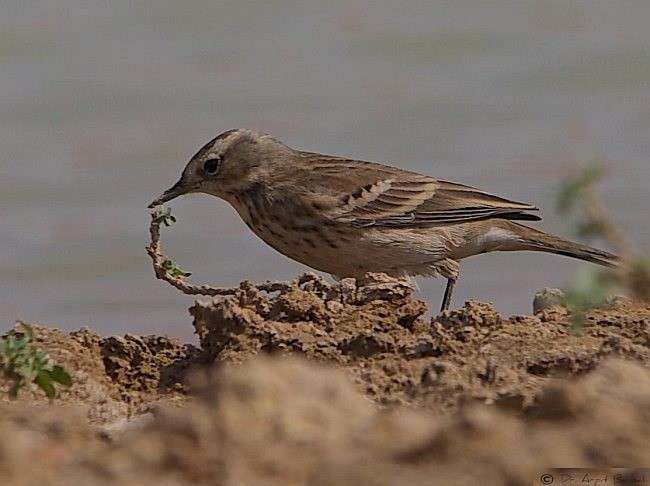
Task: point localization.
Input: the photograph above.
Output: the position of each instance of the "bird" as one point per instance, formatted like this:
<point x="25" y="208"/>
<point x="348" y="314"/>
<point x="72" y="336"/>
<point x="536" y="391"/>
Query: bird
<point x="349" y="217"/>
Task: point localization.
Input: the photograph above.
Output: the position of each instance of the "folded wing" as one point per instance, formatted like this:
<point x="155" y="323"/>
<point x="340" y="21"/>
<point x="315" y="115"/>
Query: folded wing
<point x="371" y="194"/>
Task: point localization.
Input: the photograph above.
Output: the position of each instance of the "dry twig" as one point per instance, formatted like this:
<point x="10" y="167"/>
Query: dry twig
<point x="161" y="266"/>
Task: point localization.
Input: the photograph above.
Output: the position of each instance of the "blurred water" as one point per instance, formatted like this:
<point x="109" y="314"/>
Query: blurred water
<point x="104" y="102"/>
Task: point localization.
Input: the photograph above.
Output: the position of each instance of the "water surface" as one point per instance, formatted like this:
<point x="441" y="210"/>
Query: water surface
<point x="104" y="102"/>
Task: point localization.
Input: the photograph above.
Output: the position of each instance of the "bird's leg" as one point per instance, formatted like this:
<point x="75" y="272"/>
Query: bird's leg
<point x="449" y="290"/>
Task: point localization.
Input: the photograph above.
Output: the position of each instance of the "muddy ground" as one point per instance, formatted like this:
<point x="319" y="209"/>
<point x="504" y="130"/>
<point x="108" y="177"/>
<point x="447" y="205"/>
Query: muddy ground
<point x="332" y="384"/>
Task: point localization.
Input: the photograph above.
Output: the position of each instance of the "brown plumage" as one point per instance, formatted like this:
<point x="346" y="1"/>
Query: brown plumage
<point x="348" y="217"/>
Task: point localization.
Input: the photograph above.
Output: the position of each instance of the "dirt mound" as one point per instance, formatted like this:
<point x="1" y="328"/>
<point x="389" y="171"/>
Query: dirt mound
<point x="378" y="334"/>
<point x="115" y="378"/>
<point x="288" y="421"/>
<point x="332" y="384"/>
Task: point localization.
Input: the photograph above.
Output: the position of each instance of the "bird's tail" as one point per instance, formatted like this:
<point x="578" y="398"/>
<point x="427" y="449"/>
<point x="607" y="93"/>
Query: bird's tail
<point x="532" y="239"/>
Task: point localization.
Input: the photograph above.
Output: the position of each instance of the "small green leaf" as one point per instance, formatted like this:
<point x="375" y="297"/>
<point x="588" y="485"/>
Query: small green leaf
<point x="573" y="188"/>
<point x="592" y="173"/>
<point x="29" y="330"/>
<point x="177" y="272"/>
<point x="27" y="370"/>
<point x="44" y="381"/>
<point x="60" y="375"/>
<point x="590" y="289"/>
<point x="568" y="195"/>
<point x="590" y="229"/>
<point x="173" y="269"/>
<point x="164" y="217"/>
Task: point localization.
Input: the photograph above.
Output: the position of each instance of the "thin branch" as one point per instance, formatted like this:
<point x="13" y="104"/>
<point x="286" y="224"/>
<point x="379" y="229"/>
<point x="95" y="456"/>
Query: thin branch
<point x="154" y="250"/>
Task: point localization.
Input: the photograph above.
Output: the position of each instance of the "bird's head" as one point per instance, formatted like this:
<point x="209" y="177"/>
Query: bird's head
<point x="230" y="163"/>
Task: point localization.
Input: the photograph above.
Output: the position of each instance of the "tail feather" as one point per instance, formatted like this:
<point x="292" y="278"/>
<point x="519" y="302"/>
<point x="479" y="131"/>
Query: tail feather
<point x="540" y="241"/>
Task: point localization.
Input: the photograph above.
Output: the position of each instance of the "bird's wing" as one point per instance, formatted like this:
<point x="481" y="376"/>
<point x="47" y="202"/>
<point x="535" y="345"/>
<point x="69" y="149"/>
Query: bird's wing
<point x="369" y="194"/>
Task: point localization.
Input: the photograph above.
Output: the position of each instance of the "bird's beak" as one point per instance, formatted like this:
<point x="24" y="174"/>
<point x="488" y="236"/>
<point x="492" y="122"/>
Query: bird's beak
<point x="173" y="192"/>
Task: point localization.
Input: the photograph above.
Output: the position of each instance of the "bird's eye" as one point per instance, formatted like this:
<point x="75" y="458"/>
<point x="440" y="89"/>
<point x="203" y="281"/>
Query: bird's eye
<point x="211" y="166"/>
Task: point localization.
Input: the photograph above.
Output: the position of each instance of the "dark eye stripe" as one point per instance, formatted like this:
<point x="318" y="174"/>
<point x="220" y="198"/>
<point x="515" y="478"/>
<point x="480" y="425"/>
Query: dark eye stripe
<point x="211" y="166"/>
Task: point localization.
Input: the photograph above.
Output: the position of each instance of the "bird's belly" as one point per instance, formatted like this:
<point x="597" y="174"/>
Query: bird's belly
<point x="301" y="237"/>
<point x="342" y="249"/>
<point x="351" y="252"/>
<point x="315" y="247"/>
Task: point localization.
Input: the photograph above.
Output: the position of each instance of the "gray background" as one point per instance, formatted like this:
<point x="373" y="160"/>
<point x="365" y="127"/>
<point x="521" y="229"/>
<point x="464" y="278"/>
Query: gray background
<point x="103" y="103"/>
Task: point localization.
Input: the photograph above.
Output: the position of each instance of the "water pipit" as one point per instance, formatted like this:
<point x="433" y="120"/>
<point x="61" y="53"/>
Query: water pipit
<point x="348" y="217"/>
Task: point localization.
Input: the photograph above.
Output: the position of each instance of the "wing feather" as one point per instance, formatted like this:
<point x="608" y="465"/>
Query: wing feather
<point x="369" y="194"/>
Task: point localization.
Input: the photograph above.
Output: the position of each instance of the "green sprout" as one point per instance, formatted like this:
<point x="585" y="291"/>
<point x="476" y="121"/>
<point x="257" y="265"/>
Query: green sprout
<point x="573" y="190"/>
<point x="591" y="288"/>
<point x="173" y="269"/>
<point x="165" y="217"/>
<point x="25" y="363"/>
